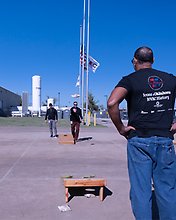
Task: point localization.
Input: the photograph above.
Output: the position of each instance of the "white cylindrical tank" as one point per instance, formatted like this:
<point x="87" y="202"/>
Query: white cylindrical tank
<point x="50" y="100"/>
<point x="36" y="94"/>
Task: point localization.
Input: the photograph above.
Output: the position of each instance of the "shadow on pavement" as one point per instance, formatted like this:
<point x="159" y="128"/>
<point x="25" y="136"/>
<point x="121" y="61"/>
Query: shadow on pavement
<point x="84" y="139"/>
<point x="88" y="192"/>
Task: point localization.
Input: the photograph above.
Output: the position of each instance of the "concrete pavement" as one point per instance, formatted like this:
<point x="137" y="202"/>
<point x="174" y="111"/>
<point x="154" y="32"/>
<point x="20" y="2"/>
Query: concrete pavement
<point x="32" y="166"/>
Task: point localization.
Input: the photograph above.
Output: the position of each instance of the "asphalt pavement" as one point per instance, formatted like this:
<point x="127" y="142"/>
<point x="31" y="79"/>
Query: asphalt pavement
<point x="33" y="165"/>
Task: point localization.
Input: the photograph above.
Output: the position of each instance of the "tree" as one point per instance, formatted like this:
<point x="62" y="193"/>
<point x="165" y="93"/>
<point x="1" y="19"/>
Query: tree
<point x="92" y="105"/>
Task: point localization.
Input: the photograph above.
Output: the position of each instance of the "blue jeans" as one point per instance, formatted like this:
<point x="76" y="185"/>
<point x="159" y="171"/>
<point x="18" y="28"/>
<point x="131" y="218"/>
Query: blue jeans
<point x="150" y="160"/>
<point x="52" y="127"/>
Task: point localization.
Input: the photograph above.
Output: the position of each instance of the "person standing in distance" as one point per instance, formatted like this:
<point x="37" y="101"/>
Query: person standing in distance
<point x="75" y="119"/>
<point x="150" y="96"/>
<point x="52" y="117"/>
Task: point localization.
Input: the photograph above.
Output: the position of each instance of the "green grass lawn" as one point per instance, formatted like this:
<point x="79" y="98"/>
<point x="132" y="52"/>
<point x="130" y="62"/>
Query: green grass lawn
<point x="29" y="121"/>
<point x="33" y="121"/>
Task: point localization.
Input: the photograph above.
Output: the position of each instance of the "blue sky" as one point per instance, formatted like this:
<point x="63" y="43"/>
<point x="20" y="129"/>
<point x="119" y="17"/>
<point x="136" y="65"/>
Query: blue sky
<point x="42" y="38"/>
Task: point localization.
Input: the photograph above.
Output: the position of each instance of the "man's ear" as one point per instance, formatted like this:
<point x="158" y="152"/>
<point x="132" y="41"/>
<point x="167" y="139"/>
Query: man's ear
<point x="134" y="60"/>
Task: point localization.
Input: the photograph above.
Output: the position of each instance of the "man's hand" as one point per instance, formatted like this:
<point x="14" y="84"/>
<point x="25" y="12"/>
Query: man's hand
<point x="173" y="128"/>
<point x="124" y="131"/>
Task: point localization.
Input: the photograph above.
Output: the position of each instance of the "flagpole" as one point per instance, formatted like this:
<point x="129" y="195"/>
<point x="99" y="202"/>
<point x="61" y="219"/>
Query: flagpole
<point x="83" y="53"/>
<point x="80" y="65"/>
<point x="87" y="64"/>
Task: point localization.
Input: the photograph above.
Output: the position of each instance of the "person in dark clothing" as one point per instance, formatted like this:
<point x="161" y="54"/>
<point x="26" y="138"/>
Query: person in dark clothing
<point x="52" y="117"/>
<point x="75" y="119"/>
<point x="150" y="96"/>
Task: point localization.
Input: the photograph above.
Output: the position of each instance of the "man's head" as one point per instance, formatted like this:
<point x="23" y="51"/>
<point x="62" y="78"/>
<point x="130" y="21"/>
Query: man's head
<point x="143" y="58"/>
<point x="50" y="105"/>
<point x="75" y="104"/>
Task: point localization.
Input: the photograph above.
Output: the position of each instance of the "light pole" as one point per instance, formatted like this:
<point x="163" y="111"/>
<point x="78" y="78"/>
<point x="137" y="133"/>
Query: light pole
<point x="87" y="63"/>
<point x="58" y="100"/>
<point x="106" y="97"/>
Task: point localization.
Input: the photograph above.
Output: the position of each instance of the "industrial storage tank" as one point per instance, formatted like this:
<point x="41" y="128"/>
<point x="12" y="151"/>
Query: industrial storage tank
<point x="24" y="103"/>
<point x="36" y="94"/>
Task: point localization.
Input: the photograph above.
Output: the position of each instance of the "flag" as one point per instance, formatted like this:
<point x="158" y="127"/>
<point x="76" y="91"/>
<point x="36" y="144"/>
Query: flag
<point x="83" y="59"/>
<point x="78" y="81"/>
<point x="93" y="64"/>
<point x="75" y="96"/>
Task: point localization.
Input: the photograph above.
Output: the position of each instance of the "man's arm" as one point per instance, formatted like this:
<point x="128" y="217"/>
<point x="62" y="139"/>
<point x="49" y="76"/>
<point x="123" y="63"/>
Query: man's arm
<point x="116" y="97"/>
<point x="173" y="128"/>
<point x="71" y="111"/>
<point x="56" y="115"/>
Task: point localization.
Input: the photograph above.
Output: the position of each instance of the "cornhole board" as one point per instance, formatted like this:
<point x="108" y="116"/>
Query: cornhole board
<point x="66" y="139"/>
<point x="84" y="183"/>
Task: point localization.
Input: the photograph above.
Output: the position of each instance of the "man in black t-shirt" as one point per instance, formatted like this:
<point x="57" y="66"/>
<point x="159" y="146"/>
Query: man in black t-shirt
<point x="150" y="96"/>
<point x="75" y="119"/>
<point x="52" y="117"/>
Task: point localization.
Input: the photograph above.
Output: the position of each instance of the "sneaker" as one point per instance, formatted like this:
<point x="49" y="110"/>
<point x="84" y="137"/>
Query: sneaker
<point x="51" y="135"/>
<point x="55" y="136"/>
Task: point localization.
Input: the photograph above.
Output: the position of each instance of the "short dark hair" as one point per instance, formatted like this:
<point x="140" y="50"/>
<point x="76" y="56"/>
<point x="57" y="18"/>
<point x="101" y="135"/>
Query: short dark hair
<point x="50" y="104"/>
<point x="144" y="54"/>
<point x="75" y="103"/>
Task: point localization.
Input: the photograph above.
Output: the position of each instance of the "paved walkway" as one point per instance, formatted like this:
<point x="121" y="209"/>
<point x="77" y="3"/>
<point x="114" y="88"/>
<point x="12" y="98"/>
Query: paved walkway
<point x="32" y="166"/>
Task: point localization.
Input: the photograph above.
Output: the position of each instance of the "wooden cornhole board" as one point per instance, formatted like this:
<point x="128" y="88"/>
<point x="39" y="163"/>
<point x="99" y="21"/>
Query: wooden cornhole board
<point x="90" y="182"/>
<point x="66" y="139"/>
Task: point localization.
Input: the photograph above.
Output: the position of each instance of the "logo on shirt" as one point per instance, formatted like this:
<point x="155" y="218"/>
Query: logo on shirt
<point x="155" y="82"/>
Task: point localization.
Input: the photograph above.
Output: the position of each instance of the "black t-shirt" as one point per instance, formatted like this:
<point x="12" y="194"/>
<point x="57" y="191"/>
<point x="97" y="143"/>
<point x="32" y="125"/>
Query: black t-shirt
<point x="151" y="97"/>
<point x="51" y="114"/>
<point x="75" y="114"/>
